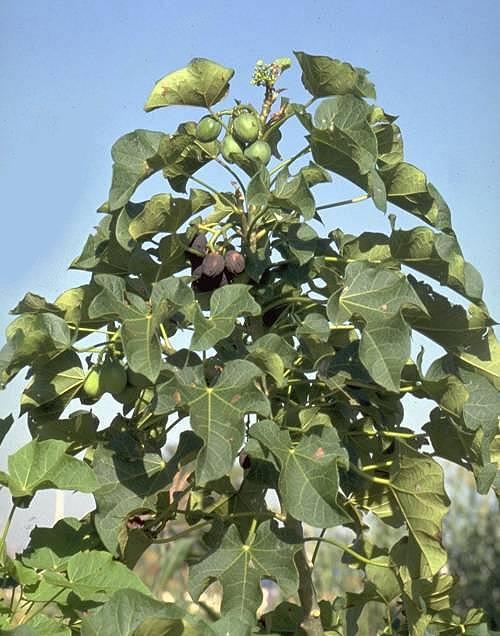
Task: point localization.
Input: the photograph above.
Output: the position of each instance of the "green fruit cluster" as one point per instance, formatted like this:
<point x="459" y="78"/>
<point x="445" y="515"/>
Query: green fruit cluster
<point x="241" y="140"/>
<point x="110" y="377"/>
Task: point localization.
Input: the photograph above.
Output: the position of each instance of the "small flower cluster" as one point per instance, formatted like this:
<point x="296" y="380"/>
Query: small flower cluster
<point x="267" y="74"/>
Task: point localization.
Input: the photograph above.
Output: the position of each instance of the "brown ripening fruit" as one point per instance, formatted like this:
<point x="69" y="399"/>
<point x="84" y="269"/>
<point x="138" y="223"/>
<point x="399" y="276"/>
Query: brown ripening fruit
<point x="196" y="271"/>
<point x="199" y="243"/>
<point x="207" y="283"/>
<point x="235" y="262"/>
<point x="213" y="265"/>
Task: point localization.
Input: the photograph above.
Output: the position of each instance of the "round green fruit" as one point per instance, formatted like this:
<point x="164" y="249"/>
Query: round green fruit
<point x="208" y="129"/>
<point x="230" y="148"/>
<point x="246" y="127"/>
<point x="113" y="377"/>
<point x="259" y="151"/>
<point x="92" y="384"/>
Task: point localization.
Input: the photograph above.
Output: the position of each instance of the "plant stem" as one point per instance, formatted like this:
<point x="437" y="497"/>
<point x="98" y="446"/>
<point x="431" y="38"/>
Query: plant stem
<point x="374" y="480"/>
<point x="307" y="594"/>
<point x="348" y="550"/>
<point x="27" y="618"/>
<point x="174" y="423"/>
<point x="184" y="532"/>
<point x="89" y="330"/>
<point x="318" y="545"/>
<point x="286" y="300"/>
<point x="296" y="156"/>
<point x="385" y="464"/>
<point x="218" y="194"/>
<point x="6" y="529"/>
<point x="223" y="164"/>
<point x="167" y="347"/>
<point x="337" y="204"/>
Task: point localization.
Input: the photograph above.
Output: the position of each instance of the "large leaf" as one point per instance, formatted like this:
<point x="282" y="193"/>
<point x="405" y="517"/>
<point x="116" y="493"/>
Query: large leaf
<point x="384" y="350"/>
<point x="345" y="117"/>
<point x="164" y="213"/>
<point x="128" y="610"/>
<point x="95" y="576"/>
<point x="140" y="319"/>
<point x="378" y="296"/>
<point x="239" y="566"/>
<point x="182" y="157"/>
<point x="42" y="465"/>
<point x="55" y="384"/>
<point x="417" y="488"/>
<point x="128" y="485"/>
<point x="323" y="76"/>
<point x="51" y="548"/>
<point x="449" y="325"/>
<point x="295" y="195"/>
<point x="408" y="188"/>
<point x="217" y="412"/>
<point x="226" y="304"/>
<point x="438" y="256"/>
<point x="308" y="481"/>
<point x="373" y="293"/>
<point x="485" y="359"/>
<point x="135" y="157"/>
<point x="32" y="337"/>
<point x="201" y="83"/>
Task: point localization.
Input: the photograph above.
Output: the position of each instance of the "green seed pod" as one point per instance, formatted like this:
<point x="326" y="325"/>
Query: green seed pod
<point x="208" y="129"/>
<point x="246" y="127"/>
<point x="259" y="151"/>
<point x="230" y="149"/>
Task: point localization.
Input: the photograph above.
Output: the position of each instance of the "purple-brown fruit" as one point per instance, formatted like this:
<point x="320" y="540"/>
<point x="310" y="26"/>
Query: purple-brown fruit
<point x="207" y="283"/>
<point x="213" y="265"/>
<point x="199" y="243"/>
<point x="235" y="262"/>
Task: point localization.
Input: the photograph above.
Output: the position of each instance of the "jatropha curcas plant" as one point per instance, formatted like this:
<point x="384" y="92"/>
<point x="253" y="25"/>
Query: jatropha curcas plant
<point x="284" y="354"/>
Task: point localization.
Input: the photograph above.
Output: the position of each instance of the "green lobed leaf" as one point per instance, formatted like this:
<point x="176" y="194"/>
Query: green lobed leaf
<point x="408" y="188"/>
<point x="182" y="157"/>
<point x="164" y="213"/>
<point x="54" y="384"/>
<point x="51" y="548"/>
<point x="438" y="256"/>
<point x="378" y="296"/>
<point x="295" y="195"/>
<point x="451" y="326"/>
<point x="323" y="76"/>
<point x="40" y="625"/>
<point x="32" y="337"/>
<point x="135" y="158"/>
<point x="240" y="566"/>
<point x="201" y="83"/>
<point x="127" y="485"/>
<point x="79" y="428"/>
<point x="346" y="117"/>
<point x="41" y="465"/>
<point x="417" y="488"/>
<point x="217" y="411"/>
<point x="308" y="480"/>
<point x="95" y="576"/>
<point x="226" y="304"/>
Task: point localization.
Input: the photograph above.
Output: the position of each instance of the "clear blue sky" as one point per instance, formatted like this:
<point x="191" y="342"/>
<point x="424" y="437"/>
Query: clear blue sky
<point x="75" y="75"/>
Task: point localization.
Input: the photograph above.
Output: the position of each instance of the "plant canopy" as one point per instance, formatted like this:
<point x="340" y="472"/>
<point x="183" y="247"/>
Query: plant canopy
<point x="281" y="346"/>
